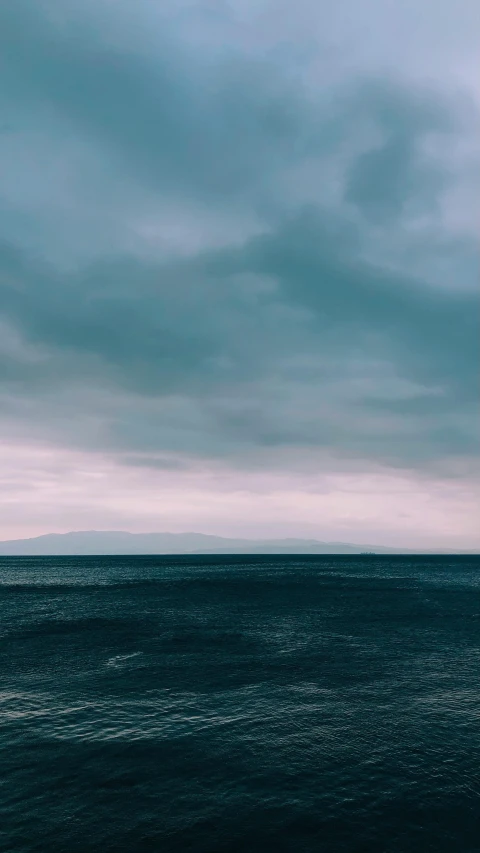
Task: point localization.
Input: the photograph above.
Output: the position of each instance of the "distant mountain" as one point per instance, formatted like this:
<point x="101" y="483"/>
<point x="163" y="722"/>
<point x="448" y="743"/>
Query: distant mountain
<point x="103" y="542"/>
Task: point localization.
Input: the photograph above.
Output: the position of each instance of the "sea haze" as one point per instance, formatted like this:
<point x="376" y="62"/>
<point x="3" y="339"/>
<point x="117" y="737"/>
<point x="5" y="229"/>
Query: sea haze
<point x="240" y="704"/>
<point x="98" y="542"/>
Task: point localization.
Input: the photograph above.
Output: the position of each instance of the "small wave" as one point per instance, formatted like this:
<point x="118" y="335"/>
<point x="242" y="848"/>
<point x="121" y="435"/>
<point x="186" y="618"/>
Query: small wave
<point x="118" y="661"/>
<point x="75" y="586"/>
<point x="55" y="627"/>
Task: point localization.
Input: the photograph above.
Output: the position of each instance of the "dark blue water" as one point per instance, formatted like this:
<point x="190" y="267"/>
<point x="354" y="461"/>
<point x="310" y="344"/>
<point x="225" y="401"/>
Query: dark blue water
<point x="240" y="704"/>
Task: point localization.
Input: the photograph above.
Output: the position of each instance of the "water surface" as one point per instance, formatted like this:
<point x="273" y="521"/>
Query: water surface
<point x="240" y="704"/>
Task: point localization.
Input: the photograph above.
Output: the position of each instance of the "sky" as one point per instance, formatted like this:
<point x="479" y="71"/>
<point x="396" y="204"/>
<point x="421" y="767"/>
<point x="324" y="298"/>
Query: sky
<point x="239" y="268"/>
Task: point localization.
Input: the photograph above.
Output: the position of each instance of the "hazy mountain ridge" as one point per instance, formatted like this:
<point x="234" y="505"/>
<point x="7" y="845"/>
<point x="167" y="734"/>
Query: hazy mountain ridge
<point x="105" y="542"/>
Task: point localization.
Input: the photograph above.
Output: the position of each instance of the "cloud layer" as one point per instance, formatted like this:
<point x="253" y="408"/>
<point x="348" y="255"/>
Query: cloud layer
<point x="224" y="246"/>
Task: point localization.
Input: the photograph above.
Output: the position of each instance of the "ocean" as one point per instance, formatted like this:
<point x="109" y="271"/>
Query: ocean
<point x="246" y="704"/>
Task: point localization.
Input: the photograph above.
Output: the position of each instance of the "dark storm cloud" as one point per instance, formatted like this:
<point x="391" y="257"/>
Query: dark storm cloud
<point x="219" y="130"/>
<point x="207" y="329"/>
<point x="395" y="172"/>
<point x="290" y="337"/>
<point x="165" y="119"/>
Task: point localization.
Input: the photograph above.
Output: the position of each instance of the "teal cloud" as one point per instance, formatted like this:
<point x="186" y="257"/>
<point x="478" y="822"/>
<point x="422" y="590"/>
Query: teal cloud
<point x="313" y="316"/>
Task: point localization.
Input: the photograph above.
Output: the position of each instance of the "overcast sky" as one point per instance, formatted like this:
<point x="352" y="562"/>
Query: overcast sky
<point x="239" y="268"/>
